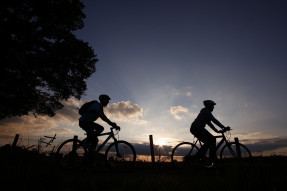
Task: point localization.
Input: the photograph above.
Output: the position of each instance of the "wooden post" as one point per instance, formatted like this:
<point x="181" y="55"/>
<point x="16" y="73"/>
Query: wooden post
<point x="151" y="149"/>
<point x="75" y="140"/>
<point x="15" y="141"/>
<point x="238" y="151"/>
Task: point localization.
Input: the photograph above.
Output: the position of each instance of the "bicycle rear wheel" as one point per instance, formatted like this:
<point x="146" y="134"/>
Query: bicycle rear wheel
<point x="232" y="151"/>
<point x="184" y="152"/>
<point x="120" y="154"/>
<point x="70" y="154"/>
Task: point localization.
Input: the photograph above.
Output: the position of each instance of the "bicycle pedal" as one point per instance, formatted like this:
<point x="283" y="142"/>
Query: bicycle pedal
<point x="208" y="164"/>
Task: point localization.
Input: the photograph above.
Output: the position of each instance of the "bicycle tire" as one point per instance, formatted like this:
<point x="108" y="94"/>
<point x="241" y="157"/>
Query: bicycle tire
<point x="230" y="151"/>
<point x="183" y="152"/>
<point x="125" y="158"/>
<point x="68" y="158"/>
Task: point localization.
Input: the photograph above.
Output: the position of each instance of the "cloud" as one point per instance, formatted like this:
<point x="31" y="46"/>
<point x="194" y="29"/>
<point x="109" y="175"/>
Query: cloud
<point x="70" y="110"/>
<point x="41" y="125"/>
<point x="125" y="111"/>
<point x="268" y="146"/>
<point x="177" y="112"/>
<point x="254" y="137"/>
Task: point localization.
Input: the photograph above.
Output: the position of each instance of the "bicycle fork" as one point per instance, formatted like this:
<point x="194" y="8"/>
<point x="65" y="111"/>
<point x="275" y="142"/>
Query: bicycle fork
<point x="117" y="147"/>
<point x="237" y="152"/>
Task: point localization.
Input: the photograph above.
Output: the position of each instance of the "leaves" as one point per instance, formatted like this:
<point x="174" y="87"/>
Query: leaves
<point x="42" y="61"/>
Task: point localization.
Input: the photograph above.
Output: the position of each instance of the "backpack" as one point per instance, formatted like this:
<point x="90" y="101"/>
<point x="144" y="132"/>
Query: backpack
<point x="84" y="108"/>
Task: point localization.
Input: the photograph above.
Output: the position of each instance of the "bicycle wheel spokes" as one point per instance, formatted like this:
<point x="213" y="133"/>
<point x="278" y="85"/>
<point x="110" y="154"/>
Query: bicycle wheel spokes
<point x="232" y="151"/>
<point x="70" y="157"/>
<point x="120" y="154"/>
<point x="184" y="152"/>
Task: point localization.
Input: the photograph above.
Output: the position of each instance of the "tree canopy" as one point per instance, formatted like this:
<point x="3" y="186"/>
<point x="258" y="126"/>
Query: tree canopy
<point x="42" y="61"/>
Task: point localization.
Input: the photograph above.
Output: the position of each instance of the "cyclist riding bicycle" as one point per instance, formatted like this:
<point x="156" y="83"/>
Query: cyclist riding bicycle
<point x="197" y="128"/>
<point x="95" y="111"/>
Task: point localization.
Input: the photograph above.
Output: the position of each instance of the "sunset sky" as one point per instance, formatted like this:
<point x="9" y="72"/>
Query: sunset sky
<point x="159" y="59"/>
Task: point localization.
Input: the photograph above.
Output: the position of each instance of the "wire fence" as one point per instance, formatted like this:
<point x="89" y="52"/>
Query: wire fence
<point x="43" y="144"/>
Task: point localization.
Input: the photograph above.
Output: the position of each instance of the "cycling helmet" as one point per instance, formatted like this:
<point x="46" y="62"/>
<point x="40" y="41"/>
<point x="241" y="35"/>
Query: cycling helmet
<point x="104" y="97"/>
<point x="208" y="103"/>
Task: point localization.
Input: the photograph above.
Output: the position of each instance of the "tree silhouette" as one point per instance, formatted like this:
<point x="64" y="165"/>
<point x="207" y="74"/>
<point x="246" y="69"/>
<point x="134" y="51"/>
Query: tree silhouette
<point x="42" y="61"/>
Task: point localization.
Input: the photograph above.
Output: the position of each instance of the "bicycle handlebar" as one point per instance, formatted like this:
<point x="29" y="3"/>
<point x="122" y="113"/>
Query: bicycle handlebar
<point x="225" y="129"/>
<point x="116" y="127"/>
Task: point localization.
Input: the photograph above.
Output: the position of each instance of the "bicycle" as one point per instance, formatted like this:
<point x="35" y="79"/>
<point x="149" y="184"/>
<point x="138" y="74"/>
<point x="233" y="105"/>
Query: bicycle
<point x="73" y="152"/>
<point x="187" y="151"/>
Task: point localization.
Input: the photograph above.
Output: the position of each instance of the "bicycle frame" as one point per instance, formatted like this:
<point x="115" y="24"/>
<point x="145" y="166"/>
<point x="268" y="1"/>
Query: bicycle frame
<point x="110" y="135"/>
<point x="223" y="140"/>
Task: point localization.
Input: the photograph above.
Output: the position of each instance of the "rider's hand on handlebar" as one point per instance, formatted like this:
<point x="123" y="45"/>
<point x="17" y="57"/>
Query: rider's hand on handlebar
<point x="227" y="128"/>
<point x="113" y="124"/>
<point x="118" y="128"/>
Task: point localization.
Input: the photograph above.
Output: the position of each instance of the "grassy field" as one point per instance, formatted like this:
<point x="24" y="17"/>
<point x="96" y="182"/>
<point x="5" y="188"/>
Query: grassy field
<point x="30" y="171"/>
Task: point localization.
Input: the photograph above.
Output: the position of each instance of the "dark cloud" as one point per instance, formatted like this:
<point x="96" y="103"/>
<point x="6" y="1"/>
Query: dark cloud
<point x="268" y="145"/>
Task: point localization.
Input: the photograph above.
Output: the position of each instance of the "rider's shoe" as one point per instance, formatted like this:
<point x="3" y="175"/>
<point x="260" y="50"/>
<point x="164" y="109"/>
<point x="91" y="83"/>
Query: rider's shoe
<point x="208" y="164"/>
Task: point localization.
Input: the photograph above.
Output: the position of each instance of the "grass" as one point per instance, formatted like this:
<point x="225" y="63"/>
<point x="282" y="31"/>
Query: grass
<point x="25" y="170"/>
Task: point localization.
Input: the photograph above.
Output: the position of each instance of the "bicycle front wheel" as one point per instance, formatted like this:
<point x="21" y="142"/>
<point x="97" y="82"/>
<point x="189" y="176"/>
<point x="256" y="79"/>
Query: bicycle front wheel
<point x="70" y="154"/>
<point x="184" y="152"/>
<point x="232" y="151"/>
<point x="120" y="154"/>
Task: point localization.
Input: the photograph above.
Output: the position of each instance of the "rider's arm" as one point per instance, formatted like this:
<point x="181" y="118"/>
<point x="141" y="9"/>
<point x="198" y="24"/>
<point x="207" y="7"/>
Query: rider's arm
<point x="214" y="120"/>
<point x="105" y="118"/>
<point x="212" y="127"/>
<point x="98" y="109"/>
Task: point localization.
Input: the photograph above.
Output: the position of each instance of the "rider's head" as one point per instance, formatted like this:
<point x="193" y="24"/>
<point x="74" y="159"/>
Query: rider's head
<point x="209" y="104"/>
<point x="104" y="99"/>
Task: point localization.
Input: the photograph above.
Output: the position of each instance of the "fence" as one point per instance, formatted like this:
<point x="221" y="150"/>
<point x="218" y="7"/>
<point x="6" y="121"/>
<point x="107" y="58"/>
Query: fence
<point x="42" y="140"/>
<point x="149" y="154"/>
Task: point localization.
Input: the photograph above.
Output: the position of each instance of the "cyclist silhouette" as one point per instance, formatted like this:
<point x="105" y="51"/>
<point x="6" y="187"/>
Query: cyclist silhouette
<point x="86" y="121"/>
<point x="198" y="130"/>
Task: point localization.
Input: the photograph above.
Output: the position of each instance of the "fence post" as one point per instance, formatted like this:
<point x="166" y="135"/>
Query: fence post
<point x="75" y="140"/>
<point x="238" y="151"/>
<point x="15" y="141"/>
<point x="151" y="149"/>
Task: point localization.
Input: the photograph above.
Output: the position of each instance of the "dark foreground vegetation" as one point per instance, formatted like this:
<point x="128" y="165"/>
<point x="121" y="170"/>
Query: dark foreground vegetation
<point x="26" y="170"/>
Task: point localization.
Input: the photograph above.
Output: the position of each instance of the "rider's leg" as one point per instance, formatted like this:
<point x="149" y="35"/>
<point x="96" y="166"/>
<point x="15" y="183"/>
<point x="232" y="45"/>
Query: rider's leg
<point x="97" y="130"/>
<point x="203" y="149"/>
<point x="209" y="143"/>
<point x="86" y="126"/>
<point x="212" y="148"/>
<point x="199" y="132"/>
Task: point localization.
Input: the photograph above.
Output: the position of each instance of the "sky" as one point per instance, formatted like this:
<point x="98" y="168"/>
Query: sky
<point x="160" y="59"/>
